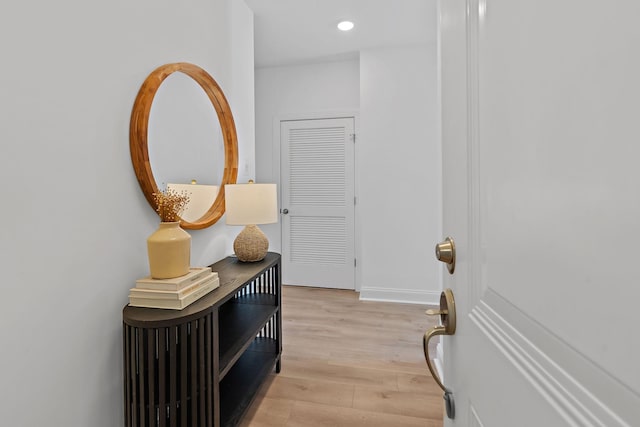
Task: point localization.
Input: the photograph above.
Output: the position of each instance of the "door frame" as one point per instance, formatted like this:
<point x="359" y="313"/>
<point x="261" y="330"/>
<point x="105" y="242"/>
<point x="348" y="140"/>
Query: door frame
<point x="275" y="161"/>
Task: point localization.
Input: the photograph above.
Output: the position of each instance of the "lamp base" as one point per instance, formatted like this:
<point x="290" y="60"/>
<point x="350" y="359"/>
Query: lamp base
<point x="251" y="244"/>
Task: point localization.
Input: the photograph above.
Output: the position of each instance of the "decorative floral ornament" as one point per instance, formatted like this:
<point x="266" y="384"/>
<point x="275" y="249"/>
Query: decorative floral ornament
<point x="170" y="204"/>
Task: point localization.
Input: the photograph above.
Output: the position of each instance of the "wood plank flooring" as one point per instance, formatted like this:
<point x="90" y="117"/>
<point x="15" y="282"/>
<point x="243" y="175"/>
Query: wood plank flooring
<point x="349" y="363"/>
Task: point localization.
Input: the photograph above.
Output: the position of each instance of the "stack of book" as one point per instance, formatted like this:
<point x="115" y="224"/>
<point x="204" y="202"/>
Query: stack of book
<point x="176" y="293"/>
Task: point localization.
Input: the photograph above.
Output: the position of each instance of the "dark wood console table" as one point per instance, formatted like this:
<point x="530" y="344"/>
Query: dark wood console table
<point x="202" y="366"/>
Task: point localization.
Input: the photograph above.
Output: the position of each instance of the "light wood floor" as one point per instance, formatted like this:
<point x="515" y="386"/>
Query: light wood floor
<point x="349" y="363"/>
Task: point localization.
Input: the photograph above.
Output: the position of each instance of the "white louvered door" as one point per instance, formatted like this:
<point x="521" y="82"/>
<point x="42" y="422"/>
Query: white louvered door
<point x="317" y="183"/>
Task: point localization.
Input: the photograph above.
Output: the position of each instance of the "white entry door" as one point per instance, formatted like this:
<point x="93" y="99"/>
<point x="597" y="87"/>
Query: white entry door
<point x="317" y="187"/>
<point x="541" y="146"/>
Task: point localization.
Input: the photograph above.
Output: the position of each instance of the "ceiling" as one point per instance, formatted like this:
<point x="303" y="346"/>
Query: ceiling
<point x="304" y="31"/>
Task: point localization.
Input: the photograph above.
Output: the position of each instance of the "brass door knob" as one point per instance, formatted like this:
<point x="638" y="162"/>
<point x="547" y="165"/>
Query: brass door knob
<point x="446" y="252"/>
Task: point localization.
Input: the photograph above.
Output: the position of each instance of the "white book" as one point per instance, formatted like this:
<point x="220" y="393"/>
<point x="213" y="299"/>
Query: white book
<point x="172" y="295"/>
<point x="176" y="283"/>
<point x="177" y="304"/>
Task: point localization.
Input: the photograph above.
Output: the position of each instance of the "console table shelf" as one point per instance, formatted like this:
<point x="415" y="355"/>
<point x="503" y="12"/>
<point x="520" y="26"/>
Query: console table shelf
<point x="244" y="379"/>
<point x="202" y="366"/>
<point x="242" y="323"/>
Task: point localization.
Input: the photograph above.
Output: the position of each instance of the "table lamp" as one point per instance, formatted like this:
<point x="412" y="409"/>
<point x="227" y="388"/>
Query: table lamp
<point x="249" y="205"/>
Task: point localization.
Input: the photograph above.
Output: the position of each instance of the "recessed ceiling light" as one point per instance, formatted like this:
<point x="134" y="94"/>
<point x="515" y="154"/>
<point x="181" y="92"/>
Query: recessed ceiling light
<point x="345" y="25"/>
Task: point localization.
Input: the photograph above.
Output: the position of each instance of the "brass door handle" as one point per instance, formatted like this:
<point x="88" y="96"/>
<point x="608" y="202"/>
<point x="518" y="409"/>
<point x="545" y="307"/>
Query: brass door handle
<point x="446" y="252"/>
<point x="447" y="315"/>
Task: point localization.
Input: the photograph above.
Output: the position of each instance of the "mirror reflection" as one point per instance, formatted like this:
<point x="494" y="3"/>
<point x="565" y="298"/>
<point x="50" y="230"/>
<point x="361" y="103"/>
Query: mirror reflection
<point x="201" y="197"/>
<point x="185" y="143"/>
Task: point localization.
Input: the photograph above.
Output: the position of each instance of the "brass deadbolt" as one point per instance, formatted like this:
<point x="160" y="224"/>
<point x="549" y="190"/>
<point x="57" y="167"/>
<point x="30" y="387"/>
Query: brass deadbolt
<point x="446" y="252"/>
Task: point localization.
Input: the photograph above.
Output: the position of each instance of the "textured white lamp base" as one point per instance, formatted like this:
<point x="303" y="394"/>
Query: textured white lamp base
<point x="251" y="244"/>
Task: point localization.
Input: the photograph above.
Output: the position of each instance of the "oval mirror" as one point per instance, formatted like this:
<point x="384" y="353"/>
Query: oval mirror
<point x="183" y="149"/>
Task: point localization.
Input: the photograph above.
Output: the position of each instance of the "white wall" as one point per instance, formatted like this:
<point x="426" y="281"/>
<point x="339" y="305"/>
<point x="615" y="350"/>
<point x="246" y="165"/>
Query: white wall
<point x="75" y="219"/>
<point x="400" y="174"/>
<point x="300" y="91"/>
<point x="242" y="101"/>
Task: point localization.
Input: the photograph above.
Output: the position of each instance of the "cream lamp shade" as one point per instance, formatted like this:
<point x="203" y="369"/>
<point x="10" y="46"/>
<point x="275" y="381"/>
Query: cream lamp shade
<point x="251" y="204"/>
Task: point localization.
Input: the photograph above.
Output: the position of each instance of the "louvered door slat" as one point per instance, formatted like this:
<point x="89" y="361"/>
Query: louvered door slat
<point x="317" y="166"/>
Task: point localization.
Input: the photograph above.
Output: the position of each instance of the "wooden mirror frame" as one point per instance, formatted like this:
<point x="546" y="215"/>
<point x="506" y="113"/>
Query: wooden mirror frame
<point x="138" y="134"/>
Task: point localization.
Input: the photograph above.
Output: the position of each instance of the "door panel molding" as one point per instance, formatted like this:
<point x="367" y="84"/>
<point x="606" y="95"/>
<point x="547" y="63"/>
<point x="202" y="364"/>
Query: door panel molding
<point x="551" y="366"/>
<point x="474" y="419"/>
<point x="475" y="283"/>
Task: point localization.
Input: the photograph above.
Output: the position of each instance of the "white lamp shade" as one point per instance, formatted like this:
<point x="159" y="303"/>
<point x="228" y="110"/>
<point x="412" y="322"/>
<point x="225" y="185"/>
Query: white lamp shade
<point x="201" y="197"/>
<point x="247" y="204"/>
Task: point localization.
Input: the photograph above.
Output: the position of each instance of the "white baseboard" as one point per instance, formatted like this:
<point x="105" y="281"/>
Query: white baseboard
<point x="409" y="296"/>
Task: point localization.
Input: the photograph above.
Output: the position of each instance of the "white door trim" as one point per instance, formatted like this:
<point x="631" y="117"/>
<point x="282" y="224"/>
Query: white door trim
<point x="275" y="161"/>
